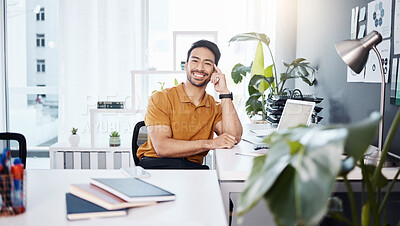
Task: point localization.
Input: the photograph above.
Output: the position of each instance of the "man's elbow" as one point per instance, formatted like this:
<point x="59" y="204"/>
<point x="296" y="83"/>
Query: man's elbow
<point x="162" y="152"/>
<point x="238" y="138"/>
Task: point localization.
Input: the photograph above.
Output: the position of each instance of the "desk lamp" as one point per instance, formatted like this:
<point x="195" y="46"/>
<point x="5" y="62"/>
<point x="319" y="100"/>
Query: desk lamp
<point x="355" y="54"/>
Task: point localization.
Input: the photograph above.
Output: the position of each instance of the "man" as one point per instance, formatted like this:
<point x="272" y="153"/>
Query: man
<point x="181" y="120"/>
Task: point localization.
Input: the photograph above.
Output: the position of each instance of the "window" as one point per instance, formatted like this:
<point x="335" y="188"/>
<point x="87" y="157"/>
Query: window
<point x="40" y="41"/>
<point x="40" y="15"/>
<point x="40" y="66"/>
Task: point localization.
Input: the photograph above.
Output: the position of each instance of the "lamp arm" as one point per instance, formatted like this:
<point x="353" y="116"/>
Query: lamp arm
<point x="382" y="106"/>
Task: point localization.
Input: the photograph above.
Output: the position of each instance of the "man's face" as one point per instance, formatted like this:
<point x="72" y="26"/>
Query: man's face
<point x="200" y="66"/>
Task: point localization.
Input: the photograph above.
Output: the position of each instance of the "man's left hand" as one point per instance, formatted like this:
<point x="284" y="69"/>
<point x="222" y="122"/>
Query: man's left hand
<point x="219" y="81"/>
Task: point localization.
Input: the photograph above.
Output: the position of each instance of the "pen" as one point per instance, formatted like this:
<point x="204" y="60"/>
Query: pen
<point x="6" y="189"/>
<point x="17" y="171"/>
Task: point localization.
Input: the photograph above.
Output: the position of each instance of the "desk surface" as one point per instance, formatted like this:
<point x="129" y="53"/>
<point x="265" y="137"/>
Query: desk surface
<point x="233" y="167"/>
<point x="198" y="199"/>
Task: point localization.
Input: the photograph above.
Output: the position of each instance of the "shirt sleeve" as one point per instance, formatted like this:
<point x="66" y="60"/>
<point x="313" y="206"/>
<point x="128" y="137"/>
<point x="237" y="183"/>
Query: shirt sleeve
<point x="158" y="110"/>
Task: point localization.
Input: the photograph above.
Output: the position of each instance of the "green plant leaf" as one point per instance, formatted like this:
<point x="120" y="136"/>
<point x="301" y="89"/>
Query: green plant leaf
<point x="365" y="214"/>
<point x="381" y="182"/>
<point x="309" y="161"/>
<point x="253" y="90"/>
<point x="258" y="63"/>
<point x="360" y="135"/>
<point x="286" y="64"/>
<point x="268" y="72"/>
<point x="298" y="60"/>
<point x="176" y="82"/>
<point x="253" y="105"/>
<point x="266" y="171"/>
<point x="251" y="36"/>
<point x="264" y="85"/>
<point x="238" y="72"/>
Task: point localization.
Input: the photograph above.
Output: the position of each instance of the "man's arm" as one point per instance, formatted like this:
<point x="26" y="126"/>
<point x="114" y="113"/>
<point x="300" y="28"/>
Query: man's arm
<point x="230" y="123"/>
<point x="167" y="147"/>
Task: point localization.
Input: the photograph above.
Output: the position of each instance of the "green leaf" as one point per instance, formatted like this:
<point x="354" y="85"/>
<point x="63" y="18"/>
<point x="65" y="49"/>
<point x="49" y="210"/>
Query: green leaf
<point x="176" y="82"/>
<point x="381" y="182"/>
<point x="365" y="214"/>
<point x="264" y="85"/>
<point x="301" y="168"/>
<point x="298" y="60"/>
<point x="360" y="135"/>
<point x="251" y="37"/>
<point x="258" y="63"/>
<point x="238" y="72"/>
<point x="262" y="178"/>
<point x="253" y="105"/>
<point x="253" y="90"/>
<point x="268" y="72"/>
<point x="286" y="64"/>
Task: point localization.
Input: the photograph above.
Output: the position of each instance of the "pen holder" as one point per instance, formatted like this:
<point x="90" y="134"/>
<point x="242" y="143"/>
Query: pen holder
<point x="12" y="195"/>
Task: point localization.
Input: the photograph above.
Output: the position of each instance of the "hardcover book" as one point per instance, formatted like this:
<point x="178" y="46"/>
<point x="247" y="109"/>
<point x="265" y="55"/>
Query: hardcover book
<point x="133" y="189"/>
<point x="103" y="198"/>
<point x="78" y="208"/>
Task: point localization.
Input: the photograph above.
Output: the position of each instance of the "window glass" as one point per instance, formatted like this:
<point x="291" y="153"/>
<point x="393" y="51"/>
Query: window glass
<point x="33" y="72"/>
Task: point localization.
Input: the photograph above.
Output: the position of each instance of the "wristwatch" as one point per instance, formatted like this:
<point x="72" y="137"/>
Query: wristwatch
<point x="221" y="96"/>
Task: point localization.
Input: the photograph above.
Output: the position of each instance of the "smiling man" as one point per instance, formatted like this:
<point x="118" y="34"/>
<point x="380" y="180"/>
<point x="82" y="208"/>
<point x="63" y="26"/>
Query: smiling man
<point x="181" y="120"/>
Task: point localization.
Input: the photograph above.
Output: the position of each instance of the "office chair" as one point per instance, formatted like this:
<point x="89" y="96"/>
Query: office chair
<point x="136" y="142"/>
<point x="21" y="141"/>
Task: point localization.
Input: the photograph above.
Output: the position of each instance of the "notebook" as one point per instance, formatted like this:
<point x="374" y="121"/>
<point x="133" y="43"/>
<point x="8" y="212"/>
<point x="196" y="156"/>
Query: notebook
<point x="78" y="208"/>
<point x="295" y="112"/>
<point x="133" y="189"/>
<point x="103" y="198"/>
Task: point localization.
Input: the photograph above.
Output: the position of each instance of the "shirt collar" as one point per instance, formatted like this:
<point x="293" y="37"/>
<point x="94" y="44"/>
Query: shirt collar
<point x="185" y="99"/>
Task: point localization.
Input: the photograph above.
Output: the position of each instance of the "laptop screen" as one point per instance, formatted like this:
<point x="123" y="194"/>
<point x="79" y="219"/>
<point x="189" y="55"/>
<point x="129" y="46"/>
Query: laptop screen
<point x="296" y="112"/>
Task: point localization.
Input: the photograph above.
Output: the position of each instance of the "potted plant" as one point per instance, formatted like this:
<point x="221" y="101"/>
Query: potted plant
<point x="74" y="138"/>
<point x="114" y="139"/>
<point x="297" y="177"/>
<point x="265" y="81"/>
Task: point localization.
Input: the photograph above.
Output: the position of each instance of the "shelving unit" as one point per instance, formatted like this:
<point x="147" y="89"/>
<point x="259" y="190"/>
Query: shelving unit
<point x="63" y="156"/>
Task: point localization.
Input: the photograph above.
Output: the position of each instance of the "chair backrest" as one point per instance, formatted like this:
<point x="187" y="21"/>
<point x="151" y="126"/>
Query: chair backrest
<point x="136" y="142"/>
<point x="21" y="142"/>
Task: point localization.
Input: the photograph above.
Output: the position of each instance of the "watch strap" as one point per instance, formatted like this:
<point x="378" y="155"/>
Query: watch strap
<point x="230" y="96"/>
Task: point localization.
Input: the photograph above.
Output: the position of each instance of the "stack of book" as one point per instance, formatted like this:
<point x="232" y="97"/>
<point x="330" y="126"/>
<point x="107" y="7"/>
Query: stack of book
<point x="108" y="197"/>
<point x="110" y="104"/>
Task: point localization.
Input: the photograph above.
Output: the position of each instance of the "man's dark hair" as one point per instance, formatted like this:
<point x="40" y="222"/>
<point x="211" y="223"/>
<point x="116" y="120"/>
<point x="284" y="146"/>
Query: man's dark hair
<point x="209" y="45"/>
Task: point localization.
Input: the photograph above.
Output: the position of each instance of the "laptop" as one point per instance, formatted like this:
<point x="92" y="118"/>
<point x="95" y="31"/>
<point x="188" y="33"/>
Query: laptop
<point x="295" y="112"/>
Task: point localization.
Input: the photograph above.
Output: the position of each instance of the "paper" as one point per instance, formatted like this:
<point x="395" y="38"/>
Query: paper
<point x="362" y="14"/>
<point x="373" y="71"/>
<point x="379" y="17"/>
<point x="393" y="81"/>
<point x="396" y="36"/>
<point x="354" y="77"/>
<point x="354" y="22"/>
<point x="361" y="32"/>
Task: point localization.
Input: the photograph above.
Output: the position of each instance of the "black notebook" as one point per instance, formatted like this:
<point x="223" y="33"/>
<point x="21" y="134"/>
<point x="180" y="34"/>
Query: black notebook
<point x="133" y="189"/>
<point x="78" y="208"/>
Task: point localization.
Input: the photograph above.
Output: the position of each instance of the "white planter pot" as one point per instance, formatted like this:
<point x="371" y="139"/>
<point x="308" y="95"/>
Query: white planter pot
<point x="74" y="140"/>
<point x="115" y="141"/>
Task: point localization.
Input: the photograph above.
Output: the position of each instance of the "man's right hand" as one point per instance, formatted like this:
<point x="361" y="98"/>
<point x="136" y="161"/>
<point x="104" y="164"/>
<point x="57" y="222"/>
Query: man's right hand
<point x="224" y="141"/>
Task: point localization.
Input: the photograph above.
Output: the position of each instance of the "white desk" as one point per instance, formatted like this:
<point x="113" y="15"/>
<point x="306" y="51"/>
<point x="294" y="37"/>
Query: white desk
<point x="198" y="200"/>
<point x="233" y="171"/>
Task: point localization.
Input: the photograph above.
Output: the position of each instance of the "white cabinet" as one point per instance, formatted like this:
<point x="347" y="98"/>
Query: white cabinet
<point x="63" y="156"/>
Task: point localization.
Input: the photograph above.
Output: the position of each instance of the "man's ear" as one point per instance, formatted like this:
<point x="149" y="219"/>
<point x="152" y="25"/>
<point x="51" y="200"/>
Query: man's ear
<point x="185" y="65"/>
